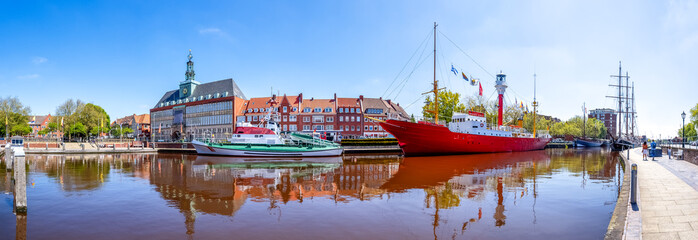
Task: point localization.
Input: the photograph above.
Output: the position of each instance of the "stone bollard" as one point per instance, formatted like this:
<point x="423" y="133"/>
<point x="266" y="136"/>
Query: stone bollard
<point x="8" y="159"/>
<point x="633" y="184"/>
<point x="20" y="188"/>
<point x="82" y="145"/>
<point x="113" y="146"/>
<point x="63" y="146"/>
<point x="46" y="146"/>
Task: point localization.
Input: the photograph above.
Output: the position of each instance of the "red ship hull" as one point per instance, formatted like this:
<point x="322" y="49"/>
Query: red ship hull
<point x="417" y="139"/>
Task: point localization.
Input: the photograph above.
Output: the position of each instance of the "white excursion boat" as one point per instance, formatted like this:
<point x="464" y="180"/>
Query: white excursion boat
<point x="257" y="141"/>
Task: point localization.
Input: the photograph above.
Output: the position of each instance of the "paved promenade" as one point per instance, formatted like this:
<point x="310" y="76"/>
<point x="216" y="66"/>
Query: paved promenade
<point x="668" y="197"/>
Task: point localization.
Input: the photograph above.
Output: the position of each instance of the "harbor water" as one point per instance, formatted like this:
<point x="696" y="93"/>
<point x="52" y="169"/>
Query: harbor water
<point x="548" y="194"/>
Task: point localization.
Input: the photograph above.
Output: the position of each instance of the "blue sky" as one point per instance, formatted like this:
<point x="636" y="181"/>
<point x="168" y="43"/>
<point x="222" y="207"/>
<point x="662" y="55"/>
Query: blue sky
<point x="123" y="55"/>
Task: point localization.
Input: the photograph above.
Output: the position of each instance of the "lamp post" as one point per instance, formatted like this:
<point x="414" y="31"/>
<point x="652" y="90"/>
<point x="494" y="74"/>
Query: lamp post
<point x="121" y="132"/>
<point x="683" y="130"/>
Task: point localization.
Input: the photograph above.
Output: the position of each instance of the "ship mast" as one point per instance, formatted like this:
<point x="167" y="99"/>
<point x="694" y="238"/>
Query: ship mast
<point x="436" y="85"/>
<point x="535" y="104"/>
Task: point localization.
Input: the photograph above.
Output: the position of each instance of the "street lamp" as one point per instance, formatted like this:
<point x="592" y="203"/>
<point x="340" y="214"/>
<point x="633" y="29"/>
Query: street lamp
<point x="683" y="130"/>
<point x="121" y="132"/>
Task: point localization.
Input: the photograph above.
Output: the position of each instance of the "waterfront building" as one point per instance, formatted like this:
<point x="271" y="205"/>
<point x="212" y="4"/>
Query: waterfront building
<point x="40" y="122"/>
<point x="607" y="116"/>
<point x="349" y="116"/>
<point x="346" y="116"/>
<point x="197" y="109"/>
<point x="377" y="108"/>
<point x="139" y="124"/>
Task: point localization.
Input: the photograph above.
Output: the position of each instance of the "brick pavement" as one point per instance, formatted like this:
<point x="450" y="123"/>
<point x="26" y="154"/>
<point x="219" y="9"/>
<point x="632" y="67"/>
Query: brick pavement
<point x="668" y="197"/>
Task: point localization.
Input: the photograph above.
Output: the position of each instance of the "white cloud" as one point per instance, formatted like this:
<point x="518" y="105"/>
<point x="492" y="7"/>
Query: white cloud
<point x="216" y="32"/>
<point x="29" y="76"/>
<point x="39" y="60"/>
<point x="211" y="31"/>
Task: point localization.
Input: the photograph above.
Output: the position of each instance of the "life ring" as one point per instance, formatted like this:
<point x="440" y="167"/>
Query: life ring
<point x="482" y="124"/>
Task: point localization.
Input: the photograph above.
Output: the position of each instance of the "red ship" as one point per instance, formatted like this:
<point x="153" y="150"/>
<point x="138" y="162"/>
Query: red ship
<point x="466" y="132"/>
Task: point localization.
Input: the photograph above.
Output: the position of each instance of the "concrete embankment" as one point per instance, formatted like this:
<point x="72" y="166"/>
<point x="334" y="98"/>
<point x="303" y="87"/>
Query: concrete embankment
<point x="616" y="227"/>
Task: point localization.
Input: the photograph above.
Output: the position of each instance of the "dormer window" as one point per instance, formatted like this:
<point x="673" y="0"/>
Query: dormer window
<point x="341" y="110"/>
<point x="306" y="109"/>
<point x="318" y="110"/>
<point x="256" y="110"/>
<point x="295" y="109"/>
<point x="328" y="109"/>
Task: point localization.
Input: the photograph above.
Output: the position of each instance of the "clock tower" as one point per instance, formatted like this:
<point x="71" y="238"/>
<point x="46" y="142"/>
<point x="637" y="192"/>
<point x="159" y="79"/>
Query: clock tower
<point x="189" y="84"/>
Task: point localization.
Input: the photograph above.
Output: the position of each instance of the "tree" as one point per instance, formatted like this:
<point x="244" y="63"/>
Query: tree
<point x="690" y="131"/>
<point x="694" y="115"/>
<point x="15" y="116"/>
<point x="412" y="119"/>
<point x="541" y="122"/>
<point x="77" y="130"/>
<point x="117" y="131"/>
<point x="93" y="118"/>
<point x="449" y="102"/>
<point x="511" y="113"/>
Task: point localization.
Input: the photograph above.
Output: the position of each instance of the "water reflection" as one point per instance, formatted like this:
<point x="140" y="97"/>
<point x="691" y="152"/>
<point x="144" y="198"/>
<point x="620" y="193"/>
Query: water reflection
<point x="460" y="196"/>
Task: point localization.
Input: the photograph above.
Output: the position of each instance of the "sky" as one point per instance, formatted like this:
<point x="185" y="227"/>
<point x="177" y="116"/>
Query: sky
<point x="124" y="55"/>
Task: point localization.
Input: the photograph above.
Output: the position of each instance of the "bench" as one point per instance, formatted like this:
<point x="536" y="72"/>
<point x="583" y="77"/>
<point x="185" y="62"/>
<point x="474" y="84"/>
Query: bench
<point x="678" y="154"/>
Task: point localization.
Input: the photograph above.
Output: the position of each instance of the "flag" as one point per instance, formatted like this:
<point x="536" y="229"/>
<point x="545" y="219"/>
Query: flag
<point x="455" y="72"/>
<point x="34" y="119"/>
<point x="160" y="127"/>
<point x="464" y="77"/>
<point x="61" y="122"/>
<point x="522" y="105"/>
<point x="480" y="88"/>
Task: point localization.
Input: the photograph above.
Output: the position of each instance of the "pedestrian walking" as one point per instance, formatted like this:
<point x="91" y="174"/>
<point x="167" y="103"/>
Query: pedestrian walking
<point x="644" y="151"/>
<point x="668" y="152"/>
<point x="653" y="147"/>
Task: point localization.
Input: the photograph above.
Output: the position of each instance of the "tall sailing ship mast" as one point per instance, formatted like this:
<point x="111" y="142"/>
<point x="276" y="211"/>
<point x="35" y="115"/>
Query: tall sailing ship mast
<point x="626" y="118"/>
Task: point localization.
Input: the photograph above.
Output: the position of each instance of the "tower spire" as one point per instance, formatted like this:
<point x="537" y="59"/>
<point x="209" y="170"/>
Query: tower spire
<point x="189" y="75"/>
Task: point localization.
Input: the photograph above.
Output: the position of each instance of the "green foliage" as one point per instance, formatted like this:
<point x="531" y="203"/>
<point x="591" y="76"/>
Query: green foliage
<point x="92" y="118"/>
<point x="16" y="115"/>
<point x="479" y="104"/>
<point x="574" y="126"/>
<point x="541" y="122"/>
<point x="690" y="131"/>
<point x="44" y="131"/>
<point x="117" y="131"/>
<point x="77" y="130"/>
<point x="412" y="119"/>
<point x="20" y="130"/>
<point x="52" y="126"/>
<point x="449" y="102"/>
<point x="694" y="115"/>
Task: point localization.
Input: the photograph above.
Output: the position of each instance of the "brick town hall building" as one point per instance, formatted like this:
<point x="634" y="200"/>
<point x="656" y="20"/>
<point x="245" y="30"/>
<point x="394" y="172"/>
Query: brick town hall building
<point x="196" y="109"/>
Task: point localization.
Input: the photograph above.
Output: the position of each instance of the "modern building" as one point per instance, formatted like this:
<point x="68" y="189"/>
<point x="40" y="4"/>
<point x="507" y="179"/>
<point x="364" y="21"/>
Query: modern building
<point x="197" y="109"/>
<point x="139" y="124"/>
<point x="607" y="116"/>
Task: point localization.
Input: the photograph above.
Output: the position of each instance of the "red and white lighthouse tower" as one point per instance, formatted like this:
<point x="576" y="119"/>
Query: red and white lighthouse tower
<point x="501" y="85"/>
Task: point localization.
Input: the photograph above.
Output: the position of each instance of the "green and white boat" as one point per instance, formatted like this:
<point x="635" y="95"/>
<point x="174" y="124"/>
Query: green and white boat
<point x="250" y="141"/>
